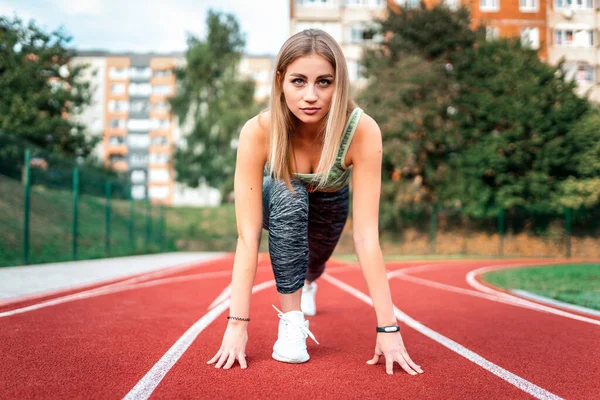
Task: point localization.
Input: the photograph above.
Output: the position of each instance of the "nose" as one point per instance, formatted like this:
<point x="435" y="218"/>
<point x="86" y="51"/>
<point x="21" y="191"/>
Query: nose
<point x="310" y="96"/>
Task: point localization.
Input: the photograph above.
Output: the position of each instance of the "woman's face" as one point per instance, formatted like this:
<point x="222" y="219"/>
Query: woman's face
<point x="308" y="88"/>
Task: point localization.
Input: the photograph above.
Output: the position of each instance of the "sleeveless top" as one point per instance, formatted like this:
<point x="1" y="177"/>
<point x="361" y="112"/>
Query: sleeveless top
<point x="340" y="175"/>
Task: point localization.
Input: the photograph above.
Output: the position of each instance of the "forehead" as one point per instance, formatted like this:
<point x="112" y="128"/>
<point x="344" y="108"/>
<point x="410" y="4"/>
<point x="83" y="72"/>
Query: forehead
<point x="312" y="65"/>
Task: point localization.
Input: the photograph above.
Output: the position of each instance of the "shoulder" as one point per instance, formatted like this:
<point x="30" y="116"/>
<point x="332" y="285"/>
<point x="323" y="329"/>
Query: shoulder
<point x="367" y="134"/>
<point x="256" y="129"/>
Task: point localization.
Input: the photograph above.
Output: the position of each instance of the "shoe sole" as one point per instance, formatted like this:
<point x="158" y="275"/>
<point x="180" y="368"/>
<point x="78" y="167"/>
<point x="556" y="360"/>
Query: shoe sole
<point x="288" y="360"/>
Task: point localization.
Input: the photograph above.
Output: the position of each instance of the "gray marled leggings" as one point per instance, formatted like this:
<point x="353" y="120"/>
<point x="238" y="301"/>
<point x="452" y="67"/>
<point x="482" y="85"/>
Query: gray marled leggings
<point x="304" y="229"/>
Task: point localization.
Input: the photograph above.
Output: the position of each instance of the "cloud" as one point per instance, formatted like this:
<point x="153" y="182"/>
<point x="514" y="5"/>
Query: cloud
<point x="81" y="7"/>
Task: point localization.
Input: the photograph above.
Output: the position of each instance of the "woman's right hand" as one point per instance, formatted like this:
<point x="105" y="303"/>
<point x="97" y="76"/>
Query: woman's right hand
<point x="233" y="346"/>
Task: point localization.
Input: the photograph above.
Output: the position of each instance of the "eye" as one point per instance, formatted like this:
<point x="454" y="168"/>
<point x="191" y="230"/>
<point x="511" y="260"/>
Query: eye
<point x="297" y="81"/>
<point x="325" y="82"/>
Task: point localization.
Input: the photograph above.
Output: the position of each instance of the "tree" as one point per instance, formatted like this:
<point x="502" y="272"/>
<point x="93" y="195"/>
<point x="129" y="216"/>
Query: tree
<point x="468" y="123"/>
<point x="214" y="102"/>
<point x="40" y="89"/>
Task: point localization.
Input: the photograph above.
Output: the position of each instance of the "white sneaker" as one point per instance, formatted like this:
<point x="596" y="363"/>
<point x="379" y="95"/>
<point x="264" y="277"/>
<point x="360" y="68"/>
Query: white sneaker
<point x="307" y="302"/>
<point x="290" y="346"/>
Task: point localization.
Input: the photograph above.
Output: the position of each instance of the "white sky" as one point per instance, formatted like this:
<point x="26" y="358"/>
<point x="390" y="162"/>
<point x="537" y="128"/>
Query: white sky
<point x="153" y="25"/>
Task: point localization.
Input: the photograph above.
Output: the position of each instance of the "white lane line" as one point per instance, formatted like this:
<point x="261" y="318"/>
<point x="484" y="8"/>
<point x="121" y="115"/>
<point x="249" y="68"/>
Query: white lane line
<point x="558" y="303"/>
<point x="111" y="289"/>
<point x="489" y="366"/>
<point x="144" y="388"/>
<point x="222" y="297"/>
<point x="472" y="280"/>
<point x="513" y="301"/>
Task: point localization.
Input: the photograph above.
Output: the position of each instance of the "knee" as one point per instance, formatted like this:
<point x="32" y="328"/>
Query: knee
<point x="282" y="199"/>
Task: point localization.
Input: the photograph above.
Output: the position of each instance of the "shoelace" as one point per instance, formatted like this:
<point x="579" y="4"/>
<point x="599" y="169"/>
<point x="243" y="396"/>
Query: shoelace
<point x="302" y="327"/>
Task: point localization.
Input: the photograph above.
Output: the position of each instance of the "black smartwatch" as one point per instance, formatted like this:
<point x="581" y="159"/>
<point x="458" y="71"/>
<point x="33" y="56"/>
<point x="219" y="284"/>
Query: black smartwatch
<point x="387" y="329"/>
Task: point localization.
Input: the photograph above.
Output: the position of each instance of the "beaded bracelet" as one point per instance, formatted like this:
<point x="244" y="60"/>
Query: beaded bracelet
<point x="239" y="318"/>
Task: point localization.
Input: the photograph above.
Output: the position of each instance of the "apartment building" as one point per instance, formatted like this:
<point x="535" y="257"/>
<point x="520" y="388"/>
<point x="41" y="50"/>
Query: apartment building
<point x="260" y="69"/>
<point x="574" y="37"/>
<point x="130" y="106"/>
<point x="348" y="21"/>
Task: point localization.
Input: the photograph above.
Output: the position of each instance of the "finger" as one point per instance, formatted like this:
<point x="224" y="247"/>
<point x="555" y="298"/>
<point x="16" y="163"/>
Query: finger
<point x="216" y="357"/>
<point x="222" y="360"/>
<point x="374" y="360"/>
<point x="389" y="365"/>
<point x="404" y="365"/>
<point x="242" y="361"/>
<point x="230" y="360"/>
<point x="412" y="364"/>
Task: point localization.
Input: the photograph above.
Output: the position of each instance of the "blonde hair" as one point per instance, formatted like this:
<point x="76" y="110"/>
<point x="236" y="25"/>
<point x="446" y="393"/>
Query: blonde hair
<point x="305" y="43"/>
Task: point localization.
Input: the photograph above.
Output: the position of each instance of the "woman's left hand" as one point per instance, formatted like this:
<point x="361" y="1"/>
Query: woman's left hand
<point x="391" y="346"/>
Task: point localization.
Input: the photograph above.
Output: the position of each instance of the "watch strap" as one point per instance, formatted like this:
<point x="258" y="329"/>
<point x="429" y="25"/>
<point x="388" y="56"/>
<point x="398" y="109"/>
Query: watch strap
<point x="388" y="329"/>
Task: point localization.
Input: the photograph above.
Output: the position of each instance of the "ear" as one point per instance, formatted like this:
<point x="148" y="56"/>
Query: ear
<point x="279" y="79"/>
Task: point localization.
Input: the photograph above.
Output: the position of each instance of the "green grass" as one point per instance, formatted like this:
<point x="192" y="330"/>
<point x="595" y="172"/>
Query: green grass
<point x="51" y="222"/>
<point x="572" y="283"/>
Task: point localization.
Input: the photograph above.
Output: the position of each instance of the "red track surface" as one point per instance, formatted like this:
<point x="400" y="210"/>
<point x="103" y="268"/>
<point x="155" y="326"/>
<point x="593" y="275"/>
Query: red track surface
<point x="103" y="346"/>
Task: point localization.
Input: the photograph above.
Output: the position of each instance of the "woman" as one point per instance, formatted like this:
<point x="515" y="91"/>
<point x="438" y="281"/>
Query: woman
<point x="310" y="144"/>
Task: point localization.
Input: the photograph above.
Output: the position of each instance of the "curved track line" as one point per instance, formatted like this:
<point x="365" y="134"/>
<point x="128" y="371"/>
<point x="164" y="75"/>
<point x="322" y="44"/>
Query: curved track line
<point x="500" y="372"/>
<point x="472" y="281"/>
<point x="144" y="388"/>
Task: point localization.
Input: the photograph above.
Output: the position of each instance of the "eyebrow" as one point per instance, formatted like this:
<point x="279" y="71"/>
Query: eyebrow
<point x="318" y="77"/>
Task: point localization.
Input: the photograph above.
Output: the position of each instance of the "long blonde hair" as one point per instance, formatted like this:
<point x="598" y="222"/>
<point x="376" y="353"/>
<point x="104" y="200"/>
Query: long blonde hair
<point x="305" y="43"/>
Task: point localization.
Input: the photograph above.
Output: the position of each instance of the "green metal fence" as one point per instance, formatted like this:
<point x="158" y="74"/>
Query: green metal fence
<point x="55" y="208"/>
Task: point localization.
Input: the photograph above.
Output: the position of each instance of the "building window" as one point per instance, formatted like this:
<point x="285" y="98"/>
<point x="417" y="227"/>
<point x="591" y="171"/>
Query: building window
<point x="116" y="158"/>
<point x="117" y="123"/>
<point x="584" y="75"/>
<point x="159" y="158"/>
<point x="116" y="140"/>
<point x="408" y="3"/>
<point x="489" y="5"/>
<point x="492" y="32"/>
<point x="118" y="105"/>
<point x="574" y="4"/>
<point x="138" y="192"/>
<point x="160" y="141"/>
<point x="138" y="124"/>
<point x="162" y="106"/>
<point x="574" y="38"/>
<point x="160" y="123"/>
<point x="307" y="3"/>
<point x="118" y="73"/>
<point x="140" y="72"/>
<point x="452" y="4"/>
<point x="528" y="5"/>
<point x="163" y="72"/>
<point x="530" y="38"/>
<point x="140" y="106"/>
<point x="117" y="88"/>
<point x="364" y="3"/>
<point x="162" y="89"/>
<point x="138" y="160"/>
<point x="138" y="141"/>
<point x="354" y="70"/>
<point x="159" y="175"/>
<point x="138" y="176"/>
<point x="140" y="89"/>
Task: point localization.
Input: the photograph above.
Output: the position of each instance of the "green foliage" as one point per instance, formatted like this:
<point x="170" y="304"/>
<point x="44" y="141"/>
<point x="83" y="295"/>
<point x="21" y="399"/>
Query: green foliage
<point x="475" y="125"/>
<point x="39" y="88"/>
<point x="214" y="102"/>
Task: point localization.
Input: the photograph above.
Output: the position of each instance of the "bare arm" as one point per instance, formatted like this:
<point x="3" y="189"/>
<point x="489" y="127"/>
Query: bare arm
<point x="366" y="156"/>
<point x="251" y="158"/>
<point x="248" y="213"/>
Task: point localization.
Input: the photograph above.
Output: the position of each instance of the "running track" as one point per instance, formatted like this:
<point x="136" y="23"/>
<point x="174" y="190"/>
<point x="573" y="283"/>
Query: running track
<point x="151" y="336"/>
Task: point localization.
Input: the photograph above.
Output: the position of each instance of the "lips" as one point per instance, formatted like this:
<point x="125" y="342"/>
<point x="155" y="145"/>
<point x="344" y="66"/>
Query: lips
<point x="311" y="109"/>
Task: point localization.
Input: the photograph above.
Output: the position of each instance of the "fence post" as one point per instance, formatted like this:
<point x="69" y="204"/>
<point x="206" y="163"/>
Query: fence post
<point x="131" y="238"/>
<point x="162" y="227"/>
<point x="501" y="232"/>
<point x="75" y="206"/>
<point x="107" y="191"/>
<point x="148" y="224"/>
<point x="568" y="212"/>
<point x="27" y="207"/>
<point x="433" y="228"/>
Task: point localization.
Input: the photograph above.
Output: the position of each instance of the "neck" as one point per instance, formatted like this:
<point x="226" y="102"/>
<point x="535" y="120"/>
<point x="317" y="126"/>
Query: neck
<point x="309" y="131"/>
